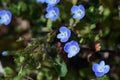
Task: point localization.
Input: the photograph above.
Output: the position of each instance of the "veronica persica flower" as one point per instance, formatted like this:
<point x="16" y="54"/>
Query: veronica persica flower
<point x="100" y="69"/>
<point x="71" y="48"/>
<point x="78" y="12"/>
<point x="52" y="2"/>
<point x="4" y="53"/>
<point x="52" y="13"/>
<point x="64" y="34"/>
<point x="5" y="17"/>
<point x="41" y="1"/>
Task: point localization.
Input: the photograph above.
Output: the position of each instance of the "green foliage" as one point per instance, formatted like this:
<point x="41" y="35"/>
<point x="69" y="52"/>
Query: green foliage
<point x="36" y="54"/>
<point x="103" y="78"/>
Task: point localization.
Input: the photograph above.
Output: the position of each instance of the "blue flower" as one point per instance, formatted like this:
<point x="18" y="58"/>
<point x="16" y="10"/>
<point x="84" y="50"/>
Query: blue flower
<point x="72" y="48"/>
<point x="52" y="2"/>
<point x="100" y="69"/>
<point x="64" y="34"/>
<point x="4" y="53"/>
<point x="52" y="13"/>
<point x="41" y="1"/>
<point x="78" y="11"/>
<point x="5" y="17"/>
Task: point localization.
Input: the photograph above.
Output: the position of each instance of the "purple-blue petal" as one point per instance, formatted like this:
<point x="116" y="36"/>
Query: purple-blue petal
<point x="69" y="33"/>
<point x="66" y="47"/>
<point x="100" y="69"/>
<point x="48" y="15"/>
<point x="54" y="18"/>
<point x="4" y="53"/>
<point x="74" y="9"/>
<point x="71" y="52"/>
<point x="99" y="74"/>
<point x="70" y="55"/>
<point x="75" y="16"/>
<point x="106" y="68"/>
<point x="95" y="67"/>
<point x="41" y="1"/>
<point x="75" y="44"/>
<point x="57" y="10"/>
<point x="81" y="7"/>
<point x="59" y="36"/>
<point x="3" y="13"/>
<point x="81" y="16"/>
<point x="64" y="39"/>
<point x="51" y="3"/>
<point x="49" y="8"/>
<point x="102" y="63"/>
<point x="63" y="29"/>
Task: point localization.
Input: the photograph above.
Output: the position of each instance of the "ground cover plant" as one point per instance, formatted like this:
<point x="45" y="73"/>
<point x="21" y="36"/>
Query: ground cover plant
<point x="59" y="39"/>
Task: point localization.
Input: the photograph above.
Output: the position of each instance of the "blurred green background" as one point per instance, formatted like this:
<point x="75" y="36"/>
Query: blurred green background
<point x="34" y="52"/>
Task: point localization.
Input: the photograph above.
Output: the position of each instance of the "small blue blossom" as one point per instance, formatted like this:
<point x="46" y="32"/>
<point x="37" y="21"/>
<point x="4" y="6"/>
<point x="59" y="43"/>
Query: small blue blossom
<point x="41" y="1"/>
<point x="100" y="69"/>
<point x="5" y="17"/>
<point x="72" y="48"/>
<point x="78" y="11"/>
<point x="64" y="34"/>
<point x="4" y="53"/>
<point x="52" y="13"/>
<point x="52" y="2"/>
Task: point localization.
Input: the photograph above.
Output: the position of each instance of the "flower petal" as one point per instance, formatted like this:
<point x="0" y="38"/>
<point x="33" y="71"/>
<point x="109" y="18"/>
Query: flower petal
<point x="75" y="44"/>
<point x="64" y="39"/>
<point x="56" y="10"/>
<point x="75" y="16"/>
<point x="106" y="69"/>
<point x="74" y="9"/>
<point x="81" y="7"/>
<point x="47" y="15"/>
<point x="95" y="67"/>
<point x="42" y="1"/>
<point x="102" y="63"/>
<point x="66" y="47"/>
<point x="4" y="20"/>
<point x="63" y="29"/>
<point x="69" y="33"/>
<point x="70" y="55"/>
<point x="59" y="36"/>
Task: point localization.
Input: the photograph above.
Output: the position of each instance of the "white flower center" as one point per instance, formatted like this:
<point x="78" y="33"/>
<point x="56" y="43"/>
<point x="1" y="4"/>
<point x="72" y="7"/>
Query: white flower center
<point x="64" y="34"/>
<point x="52" y="1"/>
<point x="100" y="69"/>
<point x="74" y="48"/>
<point x="5" y="17"/>
<point x="52" y="13"/>
<point x="79" y="12"/>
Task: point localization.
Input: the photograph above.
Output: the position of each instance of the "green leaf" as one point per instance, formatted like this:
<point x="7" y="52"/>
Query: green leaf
<point x="105" y="77"/>
<point x="60" y="66"/>
<point x="63" y="70"/>
<point x="9" y="72"/>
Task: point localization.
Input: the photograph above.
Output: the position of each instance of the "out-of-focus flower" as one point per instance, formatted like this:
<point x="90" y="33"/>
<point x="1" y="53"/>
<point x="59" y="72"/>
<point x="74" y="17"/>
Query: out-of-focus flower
<point x="41" y="1"/>
<point x="72" y="48"/>
<point x="5" y="17"/>
<point x="4" y="53"/>
<point x="100" y="69"/>
<point x="1" y="69"/>
<point x="64" y="34"/>
<point x="78" y="11"/>
<point x="52" y="13"/>
<point x="52" y="2"/>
